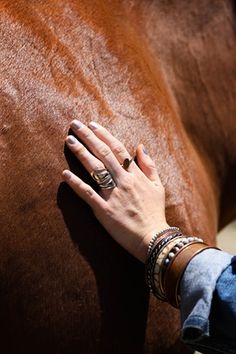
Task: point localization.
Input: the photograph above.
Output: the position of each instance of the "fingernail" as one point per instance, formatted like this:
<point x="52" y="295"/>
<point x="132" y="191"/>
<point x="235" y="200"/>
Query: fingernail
<point x="144" y="150"/>
<point x="93" y="125"/>
<point x="71" y="139"/>
<point x="66" y="174"/>
<point x="76" y="124"/>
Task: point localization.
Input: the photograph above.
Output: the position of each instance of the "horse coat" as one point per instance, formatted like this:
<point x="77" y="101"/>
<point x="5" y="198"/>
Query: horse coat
<point x="156" y="72"/>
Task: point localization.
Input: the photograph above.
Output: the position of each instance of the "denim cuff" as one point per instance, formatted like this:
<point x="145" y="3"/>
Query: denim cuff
<point x="196" y="292"/>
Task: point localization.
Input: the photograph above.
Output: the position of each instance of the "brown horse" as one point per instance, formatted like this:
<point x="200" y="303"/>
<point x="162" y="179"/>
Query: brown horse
<point x="157" y="72"/>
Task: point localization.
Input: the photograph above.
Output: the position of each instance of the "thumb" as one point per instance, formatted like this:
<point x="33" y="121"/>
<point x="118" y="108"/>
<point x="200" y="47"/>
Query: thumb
<point x="146" y="164"/>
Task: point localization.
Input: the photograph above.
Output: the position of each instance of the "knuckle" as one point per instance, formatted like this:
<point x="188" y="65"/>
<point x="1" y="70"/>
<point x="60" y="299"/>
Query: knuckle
<point x="151" y="165"/>
<point x="78" y="184"/>
<point x="86" y="133"/>
<point x="104" y="151"/>
<point x="89" y="192"/>
<point x="127" y="184"/>
<point x="98" y="166"/>
<point x="118" y="149"/>
<point x="80" y="149"/>
<point x="160" y="187"/>
<point x="108" y="212"/>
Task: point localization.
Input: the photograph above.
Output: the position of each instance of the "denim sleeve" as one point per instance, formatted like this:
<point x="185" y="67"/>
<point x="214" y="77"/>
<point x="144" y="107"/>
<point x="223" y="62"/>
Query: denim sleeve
<point x="208" y="303"/>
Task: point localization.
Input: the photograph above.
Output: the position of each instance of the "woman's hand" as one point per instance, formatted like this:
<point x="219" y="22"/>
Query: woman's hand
<point x="134" y="210"/>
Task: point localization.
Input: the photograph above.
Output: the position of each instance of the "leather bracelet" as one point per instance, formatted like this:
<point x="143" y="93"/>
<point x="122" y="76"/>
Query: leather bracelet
<point x="160" y="258"/>
<point x="176" y="268"/>
<point x="184" y="242"/>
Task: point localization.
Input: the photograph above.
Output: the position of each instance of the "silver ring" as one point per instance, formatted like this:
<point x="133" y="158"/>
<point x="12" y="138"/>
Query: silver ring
<point x="103" y="178"/>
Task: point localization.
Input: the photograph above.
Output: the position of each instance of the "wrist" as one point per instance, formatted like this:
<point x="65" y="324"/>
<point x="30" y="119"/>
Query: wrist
<point x="167" y="260"/>
<point x="155" y="233"/>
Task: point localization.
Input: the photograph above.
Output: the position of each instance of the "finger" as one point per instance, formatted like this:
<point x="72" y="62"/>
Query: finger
<point x="147" y="165"/>
<point x="83" y="190"/>
<point x="97" y="147"/>
<point x="114" y="144"/>
<point x="89" y="161"/>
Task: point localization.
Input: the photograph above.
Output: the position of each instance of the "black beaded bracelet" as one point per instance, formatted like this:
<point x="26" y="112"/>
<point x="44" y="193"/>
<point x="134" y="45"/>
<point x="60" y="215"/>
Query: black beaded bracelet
<point x="179" y="245"/>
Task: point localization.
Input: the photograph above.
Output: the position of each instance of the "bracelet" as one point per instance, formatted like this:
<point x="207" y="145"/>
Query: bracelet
<point x="176" y="268"/>
<point x="151" y="260"/>
<point x="167" y="258"/>
<point x="169" y="251"/>
<point x="156" y="283"/>
<point x="158" y="235"/>
<point x="179" y="245"/>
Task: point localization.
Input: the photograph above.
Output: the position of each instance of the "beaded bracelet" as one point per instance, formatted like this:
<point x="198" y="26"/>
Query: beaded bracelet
<point x="151" y="260"/>
<point x="170" y="255"/>
<point x="161" y="252"/>
<point x="178" y="246"/>
<point x="169" y="251"/>
<point x="158" y="235"/>
<point x="160" y="258"/>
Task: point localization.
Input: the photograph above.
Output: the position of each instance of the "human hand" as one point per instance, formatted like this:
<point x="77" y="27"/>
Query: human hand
<point x="134" y="210"/>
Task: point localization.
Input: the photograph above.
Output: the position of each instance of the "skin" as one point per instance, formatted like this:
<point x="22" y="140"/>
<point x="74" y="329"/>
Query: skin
<point x="134" y="210"/>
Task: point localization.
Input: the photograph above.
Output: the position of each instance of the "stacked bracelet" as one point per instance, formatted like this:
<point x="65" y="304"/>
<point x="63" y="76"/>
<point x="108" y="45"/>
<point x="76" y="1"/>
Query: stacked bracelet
<point x="158" y="236"/>
<point x="176" y="269"/>
<point x="155" y="249"/>
<point x="183" y="241"/>
<point x="157" y="285"/>
<point x="168" y="256"/>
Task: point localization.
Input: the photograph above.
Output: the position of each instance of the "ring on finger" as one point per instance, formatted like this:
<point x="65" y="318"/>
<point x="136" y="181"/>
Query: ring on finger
<point x="126" y="163"/>
<point x="103" y="178"/>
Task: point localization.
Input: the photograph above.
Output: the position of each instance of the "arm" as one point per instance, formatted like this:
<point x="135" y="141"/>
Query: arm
<point x="133" y="210"/>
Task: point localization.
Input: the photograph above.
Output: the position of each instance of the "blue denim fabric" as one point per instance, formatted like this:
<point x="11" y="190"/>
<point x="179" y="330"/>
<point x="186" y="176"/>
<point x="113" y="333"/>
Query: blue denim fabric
<point x="208" y="303"/>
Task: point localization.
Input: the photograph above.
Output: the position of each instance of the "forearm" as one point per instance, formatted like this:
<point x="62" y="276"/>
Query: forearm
<point x="200" y="280"/>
